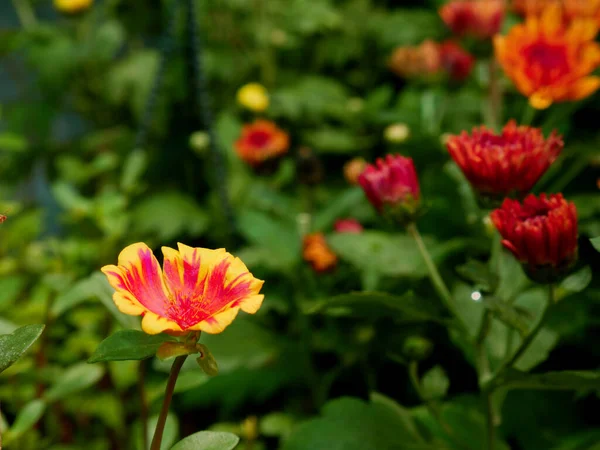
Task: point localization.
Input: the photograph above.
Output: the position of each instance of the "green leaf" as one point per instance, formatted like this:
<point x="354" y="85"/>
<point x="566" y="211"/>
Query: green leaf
<point x="170" y="435"/>
<point x="343" y="204"/>
<point x="28" y="416"/>
<point x="133" y="169"/>
<point x="208" y="440"/>
<point x="374" y="304"/>
<point x="435" y="383"/>
<point x="167" y="215"/>
<point x="332" y="140"/>
<point x="378" y="251"/>
<point x="168" y="350"/>
<point x="129" y="344"/>
<point x="478" y="273"/>
<point x="13" y="345"/>
<point x="352" y="424"/>
<point x="596" y="243"/>
<point x="76" y="378"/>
<point x="12" y="142"/>
<point x="508" y="314"/>
<point x="562" y="380"/>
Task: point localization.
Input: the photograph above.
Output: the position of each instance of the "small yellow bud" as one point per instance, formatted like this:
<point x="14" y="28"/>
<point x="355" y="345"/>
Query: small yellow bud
<point x="72" y="6"/>
<point x="396" y="133"/>
<point x="253" y="96"/>
<point x="199" y="141"/>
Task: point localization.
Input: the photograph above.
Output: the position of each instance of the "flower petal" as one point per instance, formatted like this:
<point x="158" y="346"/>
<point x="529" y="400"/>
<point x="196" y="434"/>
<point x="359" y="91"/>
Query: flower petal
<point x="154" y="324"/>
<point x="217" y="323"/>
<point x="138" y="281"/>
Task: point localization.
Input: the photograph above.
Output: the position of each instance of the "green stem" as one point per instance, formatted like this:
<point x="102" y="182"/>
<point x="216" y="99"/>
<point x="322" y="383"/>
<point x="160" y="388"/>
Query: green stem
<point x="528" y="115"/>
<point x="435" y="277"/>
<point x="143" y="403"/>
<point x="164" y="411"/>
<point x="491" y="426"/>
<point x="494" y="96"/>
<point x="25" y="13"/>
<point x="528" y="339"/>
<point x="413" y="373"/>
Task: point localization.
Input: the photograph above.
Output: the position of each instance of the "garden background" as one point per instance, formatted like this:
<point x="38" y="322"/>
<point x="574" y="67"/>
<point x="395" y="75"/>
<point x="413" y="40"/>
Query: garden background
<point x="119" y="125"/>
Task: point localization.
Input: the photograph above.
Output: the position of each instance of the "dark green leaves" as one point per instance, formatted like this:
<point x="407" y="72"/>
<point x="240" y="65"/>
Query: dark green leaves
<point x="208" y="440"/>
<point x="12" y="346"/>
<point x="596" y="243"/>
<point x="128" y="344"/>
<point x="352" y="424"/>
<point x="562" y="380"/>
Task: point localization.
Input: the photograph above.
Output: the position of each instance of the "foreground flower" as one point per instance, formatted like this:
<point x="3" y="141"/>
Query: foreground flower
<point x="253" y="96"/>
<point x="541" y="232"/>
<point x="480" y="19"/>
<point x="260" y="141"/>
<point x="348" y="226"/>
<point x="549" y="62"/>
<point x="197" y="289"/>
<point x="392" y="187"/>
<point x="502" y="164"/>
<point x="316" y="252"/>
<point x="72" y="6"/>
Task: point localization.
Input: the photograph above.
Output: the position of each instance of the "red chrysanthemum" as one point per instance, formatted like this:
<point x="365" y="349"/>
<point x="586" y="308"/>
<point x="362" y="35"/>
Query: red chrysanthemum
<point x="348" y="226"/>
<point x="392" y="187"/>
<point x="316" y="252"/>
<point x="260" y="141"/>
<point x="511" y="162"/>
<point x="197" y="288"/>
<point x="541" y="232"/>
<point x="481" y="19"/>
<point x="456" y="61"/>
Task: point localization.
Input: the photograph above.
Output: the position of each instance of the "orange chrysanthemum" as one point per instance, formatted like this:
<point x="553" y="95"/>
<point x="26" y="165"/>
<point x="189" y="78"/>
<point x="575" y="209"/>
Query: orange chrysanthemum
<point x="317" y="253"/>
<point x="548" y="61"/>
<point x="260" y="141"/>
<point x="197" y="288"/>
<point x="572" y="9"/>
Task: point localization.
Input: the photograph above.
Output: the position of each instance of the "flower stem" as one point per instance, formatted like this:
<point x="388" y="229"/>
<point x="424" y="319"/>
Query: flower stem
<point x="494" y="96"/>
<point x="491" y="426"/>
<point x="143" y="403"/>
<point x="435" y="277"/>
<point x="413" y="374"/>
<point x="162" y="418"/>
<point x="528" y="115"/>
<point x="25" y="13"/>
<point x="528" y="339"/>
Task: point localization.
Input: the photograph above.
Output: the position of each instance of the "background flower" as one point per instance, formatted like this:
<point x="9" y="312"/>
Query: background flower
<point x="260" y="141"/>
<point x="317" y="252"/>
<point x="501" y="164"/>
<point x="197" y="289"/>
<point x="253" y="96"/>
<point x="549" y="62"/>
<point x="481" y="19"/>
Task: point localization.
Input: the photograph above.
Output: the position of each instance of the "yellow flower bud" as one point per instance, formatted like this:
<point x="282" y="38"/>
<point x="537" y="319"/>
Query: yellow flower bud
<point x="72" y="6"/>
<point x="396" y="133"/>
<point x="253" y="96"/>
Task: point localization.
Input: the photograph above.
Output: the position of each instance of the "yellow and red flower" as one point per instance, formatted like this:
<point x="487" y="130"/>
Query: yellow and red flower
<point x="541" y="232"/>
<point x="348" y="226"/>
<point x="316" y="252"/>
<point x="481" y="19"/>
<point x="549" y="61"/>
<point x="260" y="141"/>
<point x="197" y="288"/>
<point x="392" y="187"/>
<point x="72" y="6"/>
<point x="511" y="162"/>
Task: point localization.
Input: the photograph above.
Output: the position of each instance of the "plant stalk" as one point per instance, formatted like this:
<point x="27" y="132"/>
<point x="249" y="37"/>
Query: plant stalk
<point x="435" y="277"/>
<point x="162" y="418"/>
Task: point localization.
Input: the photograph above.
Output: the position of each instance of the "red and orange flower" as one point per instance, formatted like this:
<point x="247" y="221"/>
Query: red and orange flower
<point x="260" y="141"/>
<point x="571" y="9"/>
<point x="197" y="288"/>
<point x="316" y="252"/>
<point x="511" y="162"/>
<point x="541" y="232"/>
<point x="548" y="61"/>
<point x="392" y="187"/>
<point x="481" y="19"/>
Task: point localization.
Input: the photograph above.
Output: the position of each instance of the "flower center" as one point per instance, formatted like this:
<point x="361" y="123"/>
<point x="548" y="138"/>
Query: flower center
<point x="259" y="138"/>
<point x="534" y="214"/>
<point x="546" y="61"/>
